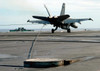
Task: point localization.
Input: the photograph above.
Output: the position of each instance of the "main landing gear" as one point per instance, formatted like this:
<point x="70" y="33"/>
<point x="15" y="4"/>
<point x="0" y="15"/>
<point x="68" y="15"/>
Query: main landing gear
<point x="53" y="30"/>
<point x="68" y="30"/>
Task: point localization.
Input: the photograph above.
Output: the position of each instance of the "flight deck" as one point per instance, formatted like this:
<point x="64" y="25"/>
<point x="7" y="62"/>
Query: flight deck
<point x="83" y="46"/>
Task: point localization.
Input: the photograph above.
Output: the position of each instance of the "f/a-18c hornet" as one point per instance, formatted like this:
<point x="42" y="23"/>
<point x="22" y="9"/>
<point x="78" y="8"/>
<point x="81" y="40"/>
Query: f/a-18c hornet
<point x="63" y="21"/>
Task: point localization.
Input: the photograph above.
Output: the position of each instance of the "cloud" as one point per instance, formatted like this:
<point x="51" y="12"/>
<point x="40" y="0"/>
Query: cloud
<point x="18" y="11"/>
<point x="83" y="5"/>
<point x="14" y="4"/>
<point x="37" y="5"/>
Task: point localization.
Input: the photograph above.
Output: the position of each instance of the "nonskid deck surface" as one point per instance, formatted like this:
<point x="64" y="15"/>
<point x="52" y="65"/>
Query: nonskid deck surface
<point x="84" y="46"/>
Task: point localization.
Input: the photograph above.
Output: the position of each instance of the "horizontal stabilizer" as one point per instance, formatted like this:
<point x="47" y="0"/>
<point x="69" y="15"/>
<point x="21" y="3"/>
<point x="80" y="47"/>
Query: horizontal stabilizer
<point x="40" y="17"/>
<point x="63" y="17"/>
<point x="60" y="18"/>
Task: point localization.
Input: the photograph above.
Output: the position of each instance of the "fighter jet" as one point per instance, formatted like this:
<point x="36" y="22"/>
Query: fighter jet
<point x="63" y="21"/>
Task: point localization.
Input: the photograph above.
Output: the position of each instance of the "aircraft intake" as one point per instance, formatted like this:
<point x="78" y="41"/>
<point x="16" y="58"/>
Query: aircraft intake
<point x="64" y="26"/>
<point x="73" y="25"/>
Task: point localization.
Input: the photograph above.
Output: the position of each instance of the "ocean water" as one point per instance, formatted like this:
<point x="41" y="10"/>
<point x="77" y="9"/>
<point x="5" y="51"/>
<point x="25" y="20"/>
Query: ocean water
<point x="8" y="30"/>
<point x="45" y="30"/>
<point x="4" y="30"/>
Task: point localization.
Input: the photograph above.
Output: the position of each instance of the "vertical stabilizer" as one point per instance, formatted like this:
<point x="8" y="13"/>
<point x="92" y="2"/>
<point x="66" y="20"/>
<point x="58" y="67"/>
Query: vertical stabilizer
<point x="47" y="10"/>
<point x="63" y="9"/>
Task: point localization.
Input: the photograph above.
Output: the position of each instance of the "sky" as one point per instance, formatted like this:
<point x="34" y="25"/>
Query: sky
<point x="19" y="11"/>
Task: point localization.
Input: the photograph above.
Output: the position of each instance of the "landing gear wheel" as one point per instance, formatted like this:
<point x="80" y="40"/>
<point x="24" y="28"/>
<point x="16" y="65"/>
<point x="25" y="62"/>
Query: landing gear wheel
<point x="52" y="30"/>
<point x="68" y="31"/>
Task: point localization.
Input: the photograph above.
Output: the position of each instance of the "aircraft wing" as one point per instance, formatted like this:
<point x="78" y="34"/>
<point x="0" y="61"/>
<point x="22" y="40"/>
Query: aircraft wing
<point x="38" y="21"/>
<point x="70" y="20"/>
<point x="79" y="20"/>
